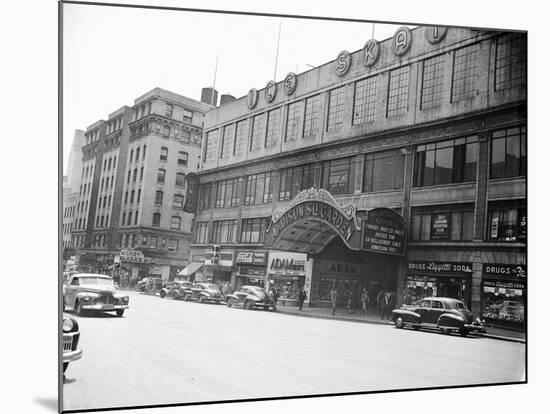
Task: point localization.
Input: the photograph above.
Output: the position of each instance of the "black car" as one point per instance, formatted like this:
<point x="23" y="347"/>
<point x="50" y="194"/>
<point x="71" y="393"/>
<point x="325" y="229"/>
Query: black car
<point x="176" y="289"/>
<point x="71" y="335"/>
<point x="204" y="292"/>
<point x="250" y="297"/>
<point x="446" y="314"/>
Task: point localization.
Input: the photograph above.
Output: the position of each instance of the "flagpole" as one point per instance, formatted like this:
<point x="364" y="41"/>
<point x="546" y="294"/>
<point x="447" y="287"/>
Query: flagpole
<point x="372" y="37"/>
<point x="277" y="53"/>
<point x="214" y="83"/>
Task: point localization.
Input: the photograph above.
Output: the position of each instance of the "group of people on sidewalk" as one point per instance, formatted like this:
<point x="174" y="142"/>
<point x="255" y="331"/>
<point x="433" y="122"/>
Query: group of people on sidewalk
<point x="385" y="301"/>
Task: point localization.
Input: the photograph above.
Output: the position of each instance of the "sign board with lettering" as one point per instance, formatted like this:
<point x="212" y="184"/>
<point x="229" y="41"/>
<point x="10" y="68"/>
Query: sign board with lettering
<point x="440" y="226"/>
<point x="384" y="232"/>
<point x="287" y="263"/>
<point x="225" y="258"/>
<point x="440" y="267"/>
<point x="507" y="271"/>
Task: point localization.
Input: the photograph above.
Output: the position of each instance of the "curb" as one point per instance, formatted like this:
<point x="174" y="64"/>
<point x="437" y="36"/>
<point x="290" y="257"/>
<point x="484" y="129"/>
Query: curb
<point x="387" y="323"/>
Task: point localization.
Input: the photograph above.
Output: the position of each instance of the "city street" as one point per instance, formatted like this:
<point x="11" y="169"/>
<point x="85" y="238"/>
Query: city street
<point x="164" y="351"/>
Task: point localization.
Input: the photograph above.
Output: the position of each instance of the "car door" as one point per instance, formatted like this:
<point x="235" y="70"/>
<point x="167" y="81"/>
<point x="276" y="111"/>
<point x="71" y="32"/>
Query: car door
<point x="424" y="310"/>
<point x="70" y="292"/>
<point x="436" y="310"/>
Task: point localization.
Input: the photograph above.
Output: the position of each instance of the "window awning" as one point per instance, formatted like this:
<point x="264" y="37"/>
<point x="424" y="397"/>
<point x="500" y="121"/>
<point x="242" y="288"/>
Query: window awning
<point x="191" y="268"/>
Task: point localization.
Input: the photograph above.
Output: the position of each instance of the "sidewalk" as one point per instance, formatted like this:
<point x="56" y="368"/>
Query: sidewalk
<point x="357" y="316"/>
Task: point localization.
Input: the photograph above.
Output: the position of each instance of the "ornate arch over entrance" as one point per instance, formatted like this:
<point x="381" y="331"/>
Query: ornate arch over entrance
<point x="311" y="221"/>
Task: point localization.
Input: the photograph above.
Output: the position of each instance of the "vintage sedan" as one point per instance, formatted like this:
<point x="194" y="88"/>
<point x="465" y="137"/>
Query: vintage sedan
<point x="177" y="289"/>
<point x="204" y="292"/>
<point x="93" y="292"/>
<point x="71" y="335"/>
<point x="446" y="314"/>
<point x="250" y="297"/>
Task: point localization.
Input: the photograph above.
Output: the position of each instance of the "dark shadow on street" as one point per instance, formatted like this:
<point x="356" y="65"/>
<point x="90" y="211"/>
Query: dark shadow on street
<point x="68" y="380"/>
<point x="50" y="403"/>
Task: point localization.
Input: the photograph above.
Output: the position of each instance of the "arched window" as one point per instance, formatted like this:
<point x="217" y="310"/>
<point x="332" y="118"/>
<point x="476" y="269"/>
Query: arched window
<point x="131" y="155"/>
<point x="129" y="218"/>
<point x="137" y="154"/>
<point x="158" y="197"/>
<point x="144" y="148"/>
<point x="139" y="195"/>
<point x="135" y="175"/>
<point x="132" y="196"/>
<point x="156" y="219"/>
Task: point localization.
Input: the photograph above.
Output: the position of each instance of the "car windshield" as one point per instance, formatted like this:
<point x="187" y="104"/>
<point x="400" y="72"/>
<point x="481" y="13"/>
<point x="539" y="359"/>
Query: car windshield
<point x="95" y="281"/>
<point x="257" y="291"/>
<point x="211" y="286"/>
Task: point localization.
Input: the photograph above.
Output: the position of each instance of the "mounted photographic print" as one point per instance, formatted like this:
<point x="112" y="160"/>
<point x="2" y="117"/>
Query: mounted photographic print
<point x="263" y="206"/>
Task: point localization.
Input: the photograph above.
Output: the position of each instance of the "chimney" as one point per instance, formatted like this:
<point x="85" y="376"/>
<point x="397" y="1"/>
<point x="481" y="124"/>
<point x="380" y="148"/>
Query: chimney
<point x="206" y="96"/>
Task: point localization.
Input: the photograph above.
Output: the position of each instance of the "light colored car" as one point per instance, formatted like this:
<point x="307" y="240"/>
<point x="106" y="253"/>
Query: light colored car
<point x="93" y="292"/>
<point x="71" y="336"/>
<point x="250" y="297"/>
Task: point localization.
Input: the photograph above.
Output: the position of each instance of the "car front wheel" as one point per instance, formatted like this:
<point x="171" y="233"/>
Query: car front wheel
<point x="162" y="294"/>
<point x="229" y="303"/>
<point x="399" y="322"/>
<point x="248" y="305"/>
<point x="202" y="299"/>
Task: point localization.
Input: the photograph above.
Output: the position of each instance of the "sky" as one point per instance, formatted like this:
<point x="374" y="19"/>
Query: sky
<point x="111" y="55"/>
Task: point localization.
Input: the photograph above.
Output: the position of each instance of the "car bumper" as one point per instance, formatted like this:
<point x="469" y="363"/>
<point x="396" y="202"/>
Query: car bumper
<point x="104" y="307"/>
<point x="477" y="328"/>
<point x="70" y="356"/>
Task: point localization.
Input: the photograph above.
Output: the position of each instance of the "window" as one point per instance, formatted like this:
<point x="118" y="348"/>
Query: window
<point x="180" y="179"/>
<point x="166" y="131"/>
<point x="158" y="197"/>
<point x="509" y="153"/>
<point x="398" y="92"/>
<point x="175" y="224"/>
<point x="182" y="158"/>
<point x="273" y="125"/>
<point x="129" y="218"/>
<point x="136" y="219"/>
<point x="224" y="231"/>
<point x="433" y="81"/>
<point x="258" y="132"/>
<point x="137" y="154"/>
<point x="172" y="245"/>
<point x="240" y="137"/>
<point x="253" y="230"/>
<point x="211" y="145"/>
<point x="168" y="110"/>
<point x="335" y="118"/>
<point x="383" y="171"/>
<point x="228" y="193"/>
<point x="295" y="179"/>
<point x="187" y="115"/>
<point x="126" y="198"/>
<point x="109" y="203"/>
<point x="201" y="232"/>
<point x="156" y="219"/>
<point x="153" y="242"/>
<point x="138" y="196"/>
<point x="144" y="149"/>
<point x="141" y="174"/>
<point x="465" y="73"/>
<point x="161" y="175"/>
<point x="177" y="201"/>
<point x="339" y="176"/>
<point x="131" y="155"/>
<point x="507" y="221"/>
<point x="132" y="196"/>
<point x="205" y="196"/>
<point x="511" y="61"/>
<point x="364" y="104"/>
<point x="443" y="223"/>
<point x="227" y="144"/>
<point x="446" y="162"/>
<point x="135" y="175"/>
<point x="293" y="121"/>
<point x="311" y="116"/>
<point x="163" y="153"/>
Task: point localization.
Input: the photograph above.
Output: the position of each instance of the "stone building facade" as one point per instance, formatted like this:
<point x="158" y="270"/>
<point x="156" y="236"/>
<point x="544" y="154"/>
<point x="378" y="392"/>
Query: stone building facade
<point x="429" y="124"/>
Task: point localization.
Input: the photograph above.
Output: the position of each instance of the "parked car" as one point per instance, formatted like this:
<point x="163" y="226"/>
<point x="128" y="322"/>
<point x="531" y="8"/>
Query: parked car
<point x="250" y="297"/>
<point x="176" y="289"/>
<point x="204" y="292"/>
<point x="150" y="284"/>
<point x="93" y="292"/>
<point x="446" y="314"/>
<point x="71" y="335"/>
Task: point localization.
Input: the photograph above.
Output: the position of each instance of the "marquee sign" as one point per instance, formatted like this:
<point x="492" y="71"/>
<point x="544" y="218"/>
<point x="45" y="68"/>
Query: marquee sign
<point x="315" y="204"/>
<point x="384" y="232"/>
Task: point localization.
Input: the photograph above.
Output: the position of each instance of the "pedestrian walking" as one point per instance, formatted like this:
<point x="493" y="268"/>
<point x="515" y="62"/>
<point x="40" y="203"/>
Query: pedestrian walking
<point x="350" y="301"/>
<point x="275" y="295"/>
<point x="382" y="301"/>
<point x="302" y="295"/>
<point x="333" y="299"/>
<point x="364" y="300"/>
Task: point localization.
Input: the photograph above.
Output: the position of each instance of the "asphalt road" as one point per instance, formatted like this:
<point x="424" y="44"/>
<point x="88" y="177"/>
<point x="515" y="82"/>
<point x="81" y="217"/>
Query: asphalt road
<point x="164" y="351"/>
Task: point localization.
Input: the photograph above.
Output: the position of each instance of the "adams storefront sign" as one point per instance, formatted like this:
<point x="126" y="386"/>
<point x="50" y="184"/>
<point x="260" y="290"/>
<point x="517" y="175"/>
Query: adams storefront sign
<point x="384" y="232"/>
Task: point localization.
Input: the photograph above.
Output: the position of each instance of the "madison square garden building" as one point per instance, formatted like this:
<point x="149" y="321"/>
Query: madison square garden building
<point x="401" y="166"/>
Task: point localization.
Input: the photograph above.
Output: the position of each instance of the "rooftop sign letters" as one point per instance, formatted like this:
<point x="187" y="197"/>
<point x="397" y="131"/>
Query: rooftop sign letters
<point x="435" y="34"/>
<point x="371" y="52"/>
<point x="270" y="91"/>
<point x="343" y="62"/>
<point x="289" y="84"/>
<point x="402" y="40"/>
<point x="384" y="232"/>
<point x="252" y="98"/>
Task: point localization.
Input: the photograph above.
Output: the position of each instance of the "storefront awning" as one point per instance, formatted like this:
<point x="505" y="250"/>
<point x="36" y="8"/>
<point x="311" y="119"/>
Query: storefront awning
<point x="191" y="268"/>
